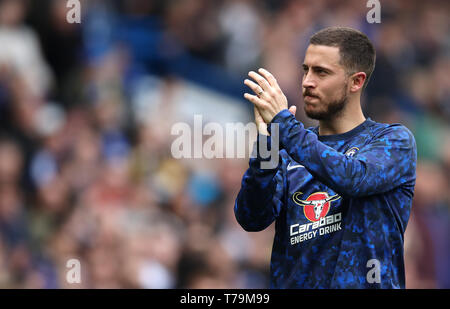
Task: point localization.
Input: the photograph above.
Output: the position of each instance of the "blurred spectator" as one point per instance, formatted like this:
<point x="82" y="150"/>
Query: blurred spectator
<point x="62" y="47"/>
<point x="243" y="27"/>
<point x="22" y="49"/>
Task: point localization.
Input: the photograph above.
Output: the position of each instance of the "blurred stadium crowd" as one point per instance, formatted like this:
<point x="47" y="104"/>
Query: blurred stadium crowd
<point x="86" y="111"/>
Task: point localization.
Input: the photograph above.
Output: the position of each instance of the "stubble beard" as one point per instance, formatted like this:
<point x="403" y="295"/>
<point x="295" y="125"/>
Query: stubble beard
<point x="332" y="110"/>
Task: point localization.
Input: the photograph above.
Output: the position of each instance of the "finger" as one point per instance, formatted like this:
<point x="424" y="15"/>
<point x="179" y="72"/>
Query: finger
<point x="253" y="86"/>
<point x="270" y="78"/>
<point x="261" y="81"/>
<point x="293" y="109"/>
<point x="254" y="99"/>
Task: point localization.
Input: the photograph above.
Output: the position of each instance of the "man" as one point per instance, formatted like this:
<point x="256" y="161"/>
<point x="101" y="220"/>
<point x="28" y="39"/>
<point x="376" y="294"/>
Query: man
<point x="341" y="194"/>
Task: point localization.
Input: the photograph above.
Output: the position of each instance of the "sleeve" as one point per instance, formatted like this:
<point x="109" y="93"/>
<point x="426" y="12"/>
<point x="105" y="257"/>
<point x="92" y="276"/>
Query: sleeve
<point x="259" y="200"/>
<point x="388" y="161"/>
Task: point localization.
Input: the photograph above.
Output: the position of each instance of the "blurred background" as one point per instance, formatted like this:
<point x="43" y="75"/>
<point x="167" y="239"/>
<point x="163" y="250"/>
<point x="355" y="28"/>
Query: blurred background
<point x="86" y="111"/>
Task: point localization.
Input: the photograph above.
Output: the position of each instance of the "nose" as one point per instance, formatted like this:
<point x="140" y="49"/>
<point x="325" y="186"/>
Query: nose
<point x="308" y="81"/>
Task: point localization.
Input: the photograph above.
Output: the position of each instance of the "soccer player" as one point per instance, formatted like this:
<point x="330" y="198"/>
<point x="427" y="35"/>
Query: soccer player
<point x="342" y="191"/>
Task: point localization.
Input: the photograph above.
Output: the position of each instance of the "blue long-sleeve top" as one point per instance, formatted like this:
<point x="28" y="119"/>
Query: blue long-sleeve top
<point x="340" y="204"/>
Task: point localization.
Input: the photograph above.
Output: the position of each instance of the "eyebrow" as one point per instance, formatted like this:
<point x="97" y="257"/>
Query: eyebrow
<point x="317" y="67"/>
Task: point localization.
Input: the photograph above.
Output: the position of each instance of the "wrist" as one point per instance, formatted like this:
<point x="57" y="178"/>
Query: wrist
<point x="281" y="117"/>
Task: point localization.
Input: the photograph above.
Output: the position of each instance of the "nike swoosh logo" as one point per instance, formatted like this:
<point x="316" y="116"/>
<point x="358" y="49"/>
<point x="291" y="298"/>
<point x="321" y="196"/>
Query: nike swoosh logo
<point x="290" y="167"/>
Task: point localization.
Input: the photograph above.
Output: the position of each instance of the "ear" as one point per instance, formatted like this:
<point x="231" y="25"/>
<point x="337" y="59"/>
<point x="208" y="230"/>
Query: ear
<point x="357" y="81"/>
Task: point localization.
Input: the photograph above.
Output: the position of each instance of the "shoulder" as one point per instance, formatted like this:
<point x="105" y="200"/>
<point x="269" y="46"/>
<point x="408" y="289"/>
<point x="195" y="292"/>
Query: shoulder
<point x="395" y="131"/>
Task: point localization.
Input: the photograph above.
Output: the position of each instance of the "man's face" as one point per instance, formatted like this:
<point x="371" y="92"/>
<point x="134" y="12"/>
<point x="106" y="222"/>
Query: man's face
<point x="324" y="82"/>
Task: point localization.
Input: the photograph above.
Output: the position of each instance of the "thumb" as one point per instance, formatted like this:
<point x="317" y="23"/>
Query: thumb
<point x="293" y="109"/>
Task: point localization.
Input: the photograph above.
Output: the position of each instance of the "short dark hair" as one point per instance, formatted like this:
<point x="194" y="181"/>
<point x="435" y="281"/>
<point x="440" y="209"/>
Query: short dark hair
<point x="355" y="49"/>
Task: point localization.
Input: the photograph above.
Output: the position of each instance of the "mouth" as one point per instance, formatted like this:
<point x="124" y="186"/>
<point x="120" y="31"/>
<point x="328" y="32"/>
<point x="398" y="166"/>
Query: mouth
<point x="309" y="98"/>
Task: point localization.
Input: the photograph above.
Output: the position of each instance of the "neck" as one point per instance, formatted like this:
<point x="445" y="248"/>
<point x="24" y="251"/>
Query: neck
<point x="349" y="118"/>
